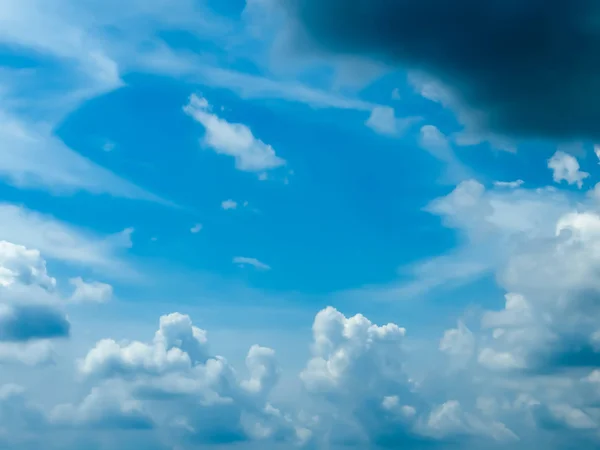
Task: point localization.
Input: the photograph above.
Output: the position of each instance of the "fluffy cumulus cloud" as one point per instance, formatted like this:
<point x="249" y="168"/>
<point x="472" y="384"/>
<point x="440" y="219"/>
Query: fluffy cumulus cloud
<point x="174" y="392"/>
<point x="31" y="312"/>
<point x="550" y="316"/>
<point x="174" y="384"/>
<point x="358" y="380"/>
<point x="537" y="353"/>
<point x="29" y="309"/>
<point x="32" y="308"/>
<point x="357" y="391"/>
<point x="232" y="139"/>
<point x="565" y="167"/>
<point x="517" y="85"/>
<point x="356" y="367"/>
<point x="545" y="259"/>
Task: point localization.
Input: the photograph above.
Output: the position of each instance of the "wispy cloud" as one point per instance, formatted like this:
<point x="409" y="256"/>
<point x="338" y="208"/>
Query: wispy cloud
<point x="432" y="140"/>
<point x="254" y="86"/>
<point x="509" y="184"/>
<point x="31" y="157"/>
<point x="64" y="242"/>
<point x="244" y="261"/>
<point x="87" y="63"/>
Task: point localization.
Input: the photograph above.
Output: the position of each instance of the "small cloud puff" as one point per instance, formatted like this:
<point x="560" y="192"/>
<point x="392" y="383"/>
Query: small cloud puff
<point x="565" y="167"/>
<point x="90" y="292"/>
<point x="229" y="204"/>
<point x="232" y="139"/>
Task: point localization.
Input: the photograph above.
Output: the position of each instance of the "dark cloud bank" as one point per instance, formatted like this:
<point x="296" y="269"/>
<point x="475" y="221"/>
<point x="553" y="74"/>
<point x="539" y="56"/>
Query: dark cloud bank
<point x="530" y="67"/>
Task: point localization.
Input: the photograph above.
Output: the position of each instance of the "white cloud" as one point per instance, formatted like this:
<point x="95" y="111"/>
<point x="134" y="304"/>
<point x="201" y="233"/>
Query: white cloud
<point x="177" y="345"/>
<point x="549" y="321"/>
<point x="472" y="134"/>
<point x="459" y="344"/>
<point x="61" y="241"/>
<point x="355" y="363"/>
<point x="533" y="351"/>
<point x="31" y="312"/>
<point x="90" y="292"/>
<point x="174" y="379"/>
<point x="437" y="144"/>
<point x="95" y="44"/>
<point x="254" y="86"/>
<point x="356" y="391"/>
<point x="491" y="224"/>
<point x="229" y="204"/>
<point x="244" y="261"/>
<point x="343" y="350"/>
<point x="33" y="158"/>
<point x="541" y="245"/>
<point x="105" y="407"/>
<point x="233" y="139"/>
<point x="22" y="265"/>
<point x="509" y="184"/>
<point x="91" y="45"/>
<point x="35" y="353"/>
<point x="566" y="168"/>
<point x="450" y="420"/>
<point x="358" y="370"/>
<point x="383" y="120"/>
<point x="196" y="228"/>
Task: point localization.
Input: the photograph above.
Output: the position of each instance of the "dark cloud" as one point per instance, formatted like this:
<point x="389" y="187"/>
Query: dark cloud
<point x="529" y="67"/>
<point x="22" y="323"/>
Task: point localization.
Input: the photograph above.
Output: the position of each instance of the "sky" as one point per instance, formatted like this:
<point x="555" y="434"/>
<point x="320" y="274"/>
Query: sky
<point x="311" y="224"/>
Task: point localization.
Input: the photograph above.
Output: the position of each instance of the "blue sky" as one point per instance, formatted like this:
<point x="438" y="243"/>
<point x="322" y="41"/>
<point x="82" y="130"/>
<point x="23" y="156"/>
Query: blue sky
<point x="253" y="169"/>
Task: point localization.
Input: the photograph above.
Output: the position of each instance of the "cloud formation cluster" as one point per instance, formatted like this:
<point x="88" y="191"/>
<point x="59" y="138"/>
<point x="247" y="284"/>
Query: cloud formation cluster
<point x="527" y="373"/>
<point x="173" y="391"/>
<point x="523" y="372"/>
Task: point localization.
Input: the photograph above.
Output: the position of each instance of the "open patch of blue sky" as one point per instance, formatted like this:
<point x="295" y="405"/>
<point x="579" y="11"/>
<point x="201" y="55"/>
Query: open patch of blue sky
<point x="254" y="169"/>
